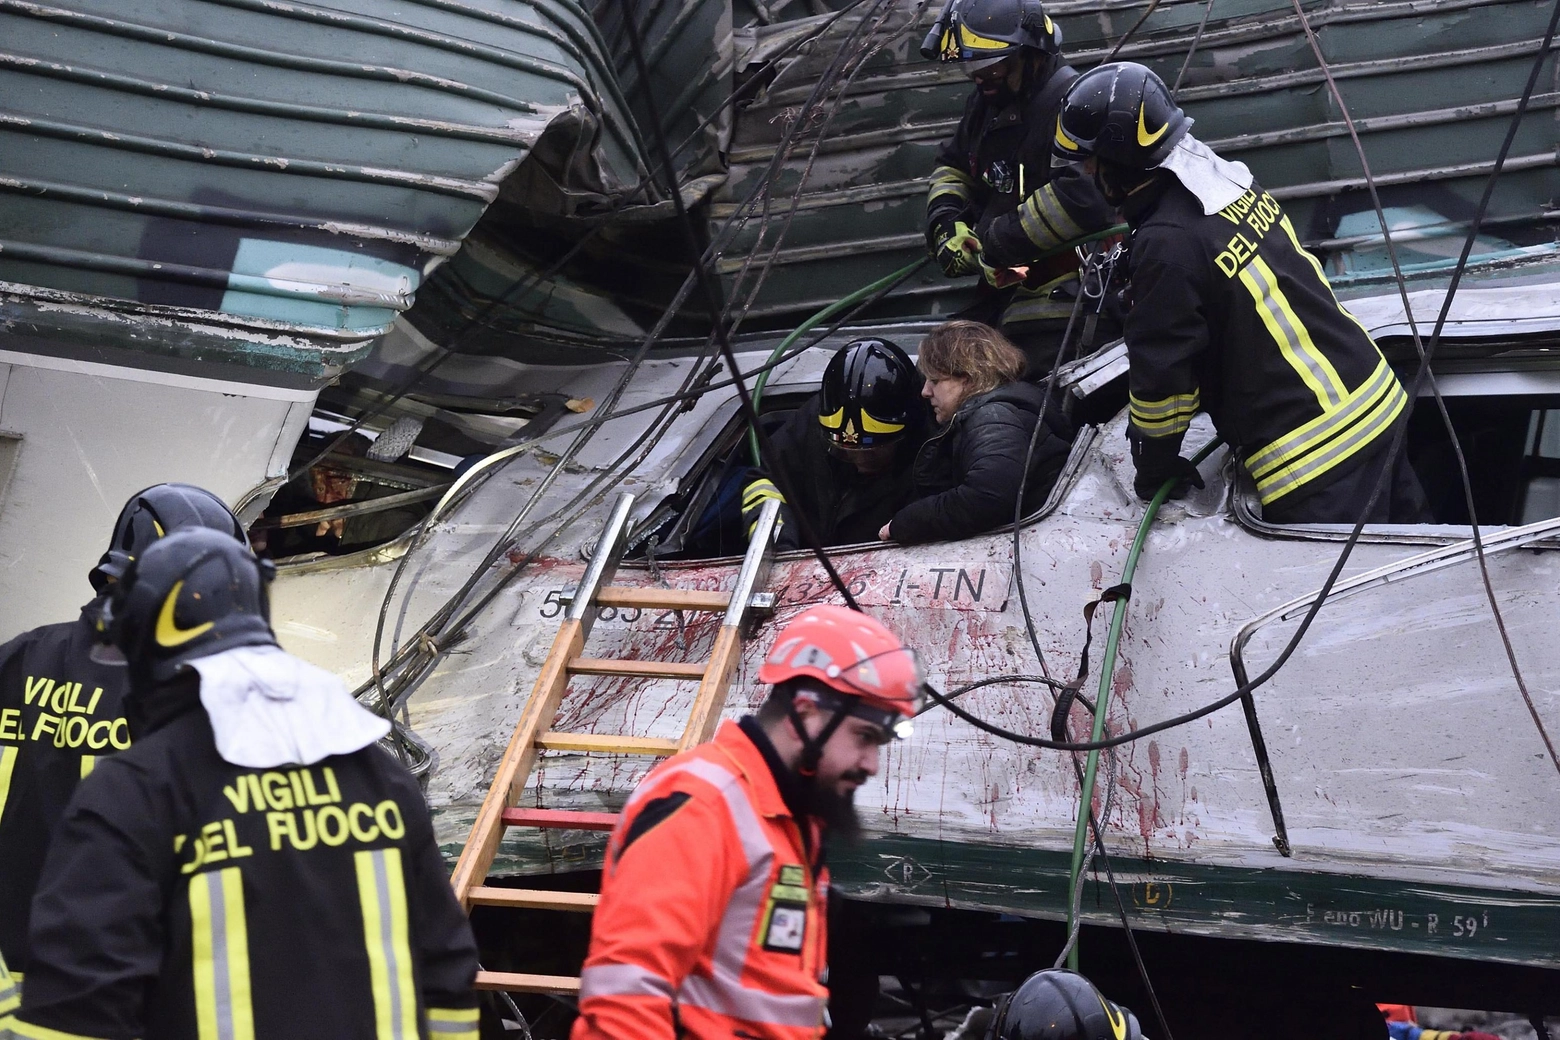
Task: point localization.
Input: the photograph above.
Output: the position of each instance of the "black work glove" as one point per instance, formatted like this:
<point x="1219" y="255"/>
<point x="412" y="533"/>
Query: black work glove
<point x="1158" y="459"/>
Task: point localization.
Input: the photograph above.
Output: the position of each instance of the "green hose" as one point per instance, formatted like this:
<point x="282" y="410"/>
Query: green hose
<point x="1107" y="667"/>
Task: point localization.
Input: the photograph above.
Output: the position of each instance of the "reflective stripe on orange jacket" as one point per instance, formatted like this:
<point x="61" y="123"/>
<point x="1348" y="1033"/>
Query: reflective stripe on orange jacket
<point x="711" y="922"/>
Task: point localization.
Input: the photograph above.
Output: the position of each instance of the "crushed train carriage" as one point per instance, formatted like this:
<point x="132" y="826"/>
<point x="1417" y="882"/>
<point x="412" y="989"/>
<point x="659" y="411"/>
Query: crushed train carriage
<point x="1417" y="796"/>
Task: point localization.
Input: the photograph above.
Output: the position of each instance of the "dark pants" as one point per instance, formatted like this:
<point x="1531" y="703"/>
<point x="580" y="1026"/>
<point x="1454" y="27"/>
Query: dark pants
<point x="1340" y="500"/>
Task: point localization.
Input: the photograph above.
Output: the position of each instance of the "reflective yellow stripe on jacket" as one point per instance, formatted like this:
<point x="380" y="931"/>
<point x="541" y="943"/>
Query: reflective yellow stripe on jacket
<point x="948" y="181"/>
<point x="7" y="766"/>
<point x="32" y="1032"/>
<point x="452" y="1024"/>
<point x="1331" y="438"/>
<point x="10" y="994"/>
<point x="1045" y="221"/>
<point x="1291" y="335"/>
<point x="1166" y="417"/>
<point x="386" y="934"/>
<point x="219" y="934"/>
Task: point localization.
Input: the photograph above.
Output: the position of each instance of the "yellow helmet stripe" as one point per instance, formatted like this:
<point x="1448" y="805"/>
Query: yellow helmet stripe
<point x="168" y="632"/>
<point x="1063" y="140"/>
<point x="1145" y="138"/>
<point x="833" y="421"/>
<point x="871" y="425"/>
<point x="977" y="42"/>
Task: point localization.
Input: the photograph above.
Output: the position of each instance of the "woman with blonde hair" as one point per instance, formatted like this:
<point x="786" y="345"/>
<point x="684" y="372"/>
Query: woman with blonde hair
<point x="968" y="473"/>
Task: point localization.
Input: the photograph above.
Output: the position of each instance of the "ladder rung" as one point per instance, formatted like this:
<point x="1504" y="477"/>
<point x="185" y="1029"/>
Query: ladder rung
<point x="561" y="819"/>
<point x="606" y="743"/>
<point x="639" y="669"/>
<point x="515" y="982"/>
<point x="625" y="598"/>
<point x="534" y="899"/>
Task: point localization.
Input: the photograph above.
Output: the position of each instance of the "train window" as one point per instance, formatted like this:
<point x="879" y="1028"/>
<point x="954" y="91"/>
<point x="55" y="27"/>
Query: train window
<point x="1510" y="441"/>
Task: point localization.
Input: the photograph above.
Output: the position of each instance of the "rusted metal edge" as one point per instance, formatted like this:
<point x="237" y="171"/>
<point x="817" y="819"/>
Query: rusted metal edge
<point x="1172" y="42"/>
<point x="627" y="136"/>
<point x="280" y="109"/>
<point x="220" y="214"/>
<point x="942" y="129"/>
<point x="486" y="192"/>
<point x="159" y="270"/>
<point x="220" y="334"/>
<point x="276" y="59"/>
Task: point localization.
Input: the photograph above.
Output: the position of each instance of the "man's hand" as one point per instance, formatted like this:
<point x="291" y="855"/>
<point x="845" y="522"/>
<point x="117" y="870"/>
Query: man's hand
<point x="754" y="495"/>
<point x="957" y="249"/>
<point x="1002" y="277"/>
<point x="1157" y="460"/>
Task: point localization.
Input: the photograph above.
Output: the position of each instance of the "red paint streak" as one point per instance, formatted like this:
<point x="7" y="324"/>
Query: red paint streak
<point x="1121" y="682"/>
<point x="1097" y="574"/>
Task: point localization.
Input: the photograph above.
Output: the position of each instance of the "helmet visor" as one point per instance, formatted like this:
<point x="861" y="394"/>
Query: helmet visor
<point x="889" y="688"/>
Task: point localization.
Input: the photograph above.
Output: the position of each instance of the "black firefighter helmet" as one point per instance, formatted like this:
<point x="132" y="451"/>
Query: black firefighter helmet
<point x="153" y="512"/>
<point x="194" y="593"/>
<point x="1057" y="1004"/>
<point x="871" y="393"/>
<point x="1121" y="113"/>
<point x="983" y="32"/>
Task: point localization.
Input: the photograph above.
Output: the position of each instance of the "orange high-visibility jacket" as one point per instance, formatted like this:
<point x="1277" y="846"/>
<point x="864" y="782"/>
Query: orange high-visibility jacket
<point x="711" y="922"/>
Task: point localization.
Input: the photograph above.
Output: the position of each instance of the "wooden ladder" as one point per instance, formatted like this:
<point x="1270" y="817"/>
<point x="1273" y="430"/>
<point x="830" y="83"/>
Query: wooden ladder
<point x="534" y="734"/>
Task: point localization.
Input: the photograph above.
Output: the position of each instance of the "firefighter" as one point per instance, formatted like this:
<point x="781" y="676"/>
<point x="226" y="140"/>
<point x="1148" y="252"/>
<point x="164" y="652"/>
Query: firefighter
<point x="10" y="996"/>
<point x="712" y="914"/>
<point x="846" y="453"/>
<point x="254" y="866"/>
<point x="1061" y="1005"/>
<point x="995" y="203"/>
<point x="1229" y="314"/>
<point x="60" y="704"/>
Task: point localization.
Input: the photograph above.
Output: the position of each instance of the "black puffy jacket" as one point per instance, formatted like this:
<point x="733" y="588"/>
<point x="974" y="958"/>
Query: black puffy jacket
<point x="967" y="474"/>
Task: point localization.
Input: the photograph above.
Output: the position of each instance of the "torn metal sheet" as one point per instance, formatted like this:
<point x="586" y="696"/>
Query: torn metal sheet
<point x="1393" y="733"/>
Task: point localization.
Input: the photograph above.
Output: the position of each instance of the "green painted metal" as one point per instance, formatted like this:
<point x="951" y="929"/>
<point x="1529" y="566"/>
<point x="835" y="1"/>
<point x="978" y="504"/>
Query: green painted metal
<point x="293" y="169"/>
<point x="1008" y="873"/>
<point x="1118" y="618"/>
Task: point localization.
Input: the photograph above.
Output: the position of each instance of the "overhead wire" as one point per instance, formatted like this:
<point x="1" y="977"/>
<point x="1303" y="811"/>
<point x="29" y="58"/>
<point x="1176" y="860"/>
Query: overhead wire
<point x="766" y="449"/>
<point x="1396" y="447"/>
<point x="1413" y="327"/>
<point x="1208" y="10"/>
<point x="424" y="642"/>
<point x="526" y="284"/>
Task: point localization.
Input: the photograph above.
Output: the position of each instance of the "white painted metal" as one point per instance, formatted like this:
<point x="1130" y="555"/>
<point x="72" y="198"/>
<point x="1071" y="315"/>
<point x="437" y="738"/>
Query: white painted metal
<point x="91" y="435"/>
<point x="1400" y="745"/>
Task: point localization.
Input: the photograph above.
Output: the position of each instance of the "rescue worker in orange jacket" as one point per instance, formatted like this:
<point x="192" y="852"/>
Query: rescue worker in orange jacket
<point x="712" y="914"/>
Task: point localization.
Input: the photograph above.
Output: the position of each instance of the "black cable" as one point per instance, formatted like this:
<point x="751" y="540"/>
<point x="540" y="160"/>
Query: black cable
<point x="1023" y="479"/>
<point x="1446" y="304"/>
<point x="505" y="544"/>
<point x="1176" y="89"/>
<point x="766" y="450"/>
<point x="1398" y="441"/>
<point x="481" y="320"/>
<point x="1128" y="34"/>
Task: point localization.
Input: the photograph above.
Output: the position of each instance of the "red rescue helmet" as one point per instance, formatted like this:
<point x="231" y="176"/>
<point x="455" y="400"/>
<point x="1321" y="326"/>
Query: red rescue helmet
<point x="853" y="654"/>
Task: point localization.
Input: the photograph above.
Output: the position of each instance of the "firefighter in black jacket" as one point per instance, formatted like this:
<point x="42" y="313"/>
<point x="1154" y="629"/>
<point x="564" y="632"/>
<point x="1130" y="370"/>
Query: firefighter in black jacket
<point x="1230" y="315"/>
<point x="995" y="202"/>
<point x="846" y="453"/>
<point x="60" y="705"/>
<point x="254" y="867"/>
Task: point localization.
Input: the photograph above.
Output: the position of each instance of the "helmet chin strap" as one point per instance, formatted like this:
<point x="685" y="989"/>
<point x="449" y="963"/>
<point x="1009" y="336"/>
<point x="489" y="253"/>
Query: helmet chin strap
<point x="812" y="747"/>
